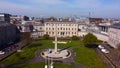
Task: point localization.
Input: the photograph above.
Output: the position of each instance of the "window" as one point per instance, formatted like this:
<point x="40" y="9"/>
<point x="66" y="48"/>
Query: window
<point x="69" y="28"/>
<point x="61" y="28"/>
<point x="68" y="32"/>
<point x="62" y="33"/>
<point x="72" y="32"/>
<point x="52" y="32"/>
<point x="75" y="28"/>
<point x="72" y="28"/>
<point x="40" y="28"/>
<point x="52" y="28"/>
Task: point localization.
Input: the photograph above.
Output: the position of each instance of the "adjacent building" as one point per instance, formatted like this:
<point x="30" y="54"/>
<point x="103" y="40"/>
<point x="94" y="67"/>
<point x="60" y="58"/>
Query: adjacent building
<point x="114" y="35"/>
<point x="38" y="30"/>
<point x="8" y="32"/>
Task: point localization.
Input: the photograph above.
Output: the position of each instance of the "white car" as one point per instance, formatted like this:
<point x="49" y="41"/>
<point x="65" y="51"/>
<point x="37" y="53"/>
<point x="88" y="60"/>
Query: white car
<point x="1" y="52"/>
<point x="100" y="46"/>
<point x="105" y="51"/>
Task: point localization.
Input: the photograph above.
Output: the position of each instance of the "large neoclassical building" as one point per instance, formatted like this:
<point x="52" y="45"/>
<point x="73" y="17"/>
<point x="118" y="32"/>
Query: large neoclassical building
<point x="64" y="29"/>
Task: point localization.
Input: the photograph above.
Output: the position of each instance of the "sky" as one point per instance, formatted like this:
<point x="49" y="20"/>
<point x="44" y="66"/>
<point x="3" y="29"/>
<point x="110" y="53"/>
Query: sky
<point x="62" y="8"/>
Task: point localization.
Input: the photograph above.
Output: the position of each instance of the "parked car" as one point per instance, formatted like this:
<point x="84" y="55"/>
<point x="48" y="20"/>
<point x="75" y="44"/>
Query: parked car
<point x="100" y="46"/>
<point x="8" y="49"/>
<point x="16" y="45"/>
<point x="1" y="52"/>
<point x="105" y="51"/>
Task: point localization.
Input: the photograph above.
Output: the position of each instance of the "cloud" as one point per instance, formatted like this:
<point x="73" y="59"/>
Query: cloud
<point x="61" y="7"/>
<point x="5" y="4"/>
<point x="9" y="7"/>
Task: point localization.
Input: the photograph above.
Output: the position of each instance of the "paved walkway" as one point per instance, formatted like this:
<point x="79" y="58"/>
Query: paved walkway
<point x="39" y="58"/>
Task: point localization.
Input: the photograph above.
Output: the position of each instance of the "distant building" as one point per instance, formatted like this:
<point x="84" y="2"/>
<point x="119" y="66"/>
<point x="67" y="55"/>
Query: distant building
<point x="4" y="18"/>
<point x="64" y="29"/>
<point x="25" y="27"/>
<point x="38" y="30"/>
<point x="96" y="20"/>
<point x="114" y="35"/>
<point x="15" y="19"/>
<point x="104" y="27"/>
<point x="82" y="27"/>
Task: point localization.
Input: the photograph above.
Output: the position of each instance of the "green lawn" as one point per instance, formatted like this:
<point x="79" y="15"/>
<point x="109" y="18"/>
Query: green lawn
<point x="88" y="57"/>
<point x="41" y="65"/>
<point x="28" y="53"/>
<point x="84" y="55"/>
<point x="69" y="43"/>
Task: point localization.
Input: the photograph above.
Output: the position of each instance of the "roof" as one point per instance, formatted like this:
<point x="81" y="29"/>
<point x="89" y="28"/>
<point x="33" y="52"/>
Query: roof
<point x="62" y="22"/>
<point x="5" y="25"/>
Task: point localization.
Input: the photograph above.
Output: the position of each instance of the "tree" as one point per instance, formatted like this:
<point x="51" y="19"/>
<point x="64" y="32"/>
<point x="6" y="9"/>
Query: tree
<point x="89" y="40"/>
<point x="74" y="38"/>
<point x="46" y="36"/>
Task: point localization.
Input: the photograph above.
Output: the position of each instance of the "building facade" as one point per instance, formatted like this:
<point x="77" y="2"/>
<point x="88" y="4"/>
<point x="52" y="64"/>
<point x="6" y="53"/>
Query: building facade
<point x="64" y="29"/>
<point x="114" y="35"/>
<point x="38" y="30"/>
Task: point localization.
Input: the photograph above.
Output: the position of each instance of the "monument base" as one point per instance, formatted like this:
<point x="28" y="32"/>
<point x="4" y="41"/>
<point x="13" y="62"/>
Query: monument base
<point x="50" y="54"/>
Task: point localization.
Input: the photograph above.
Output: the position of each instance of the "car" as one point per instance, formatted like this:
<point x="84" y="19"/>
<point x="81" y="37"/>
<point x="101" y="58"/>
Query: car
<point x="15" y="45"/>
<point x="100" y="46"/>
<point x="12" y="46"/>
<point x="1" y="52"/>
<point x="8" y="49"/>
<point x="105" y="51"/>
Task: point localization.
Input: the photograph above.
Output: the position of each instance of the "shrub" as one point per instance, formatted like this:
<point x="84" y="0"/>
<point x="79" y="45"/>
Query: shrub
<point x="75" y="38"/>
<point x="46" y="36"/>
<point x="89" y="40"/>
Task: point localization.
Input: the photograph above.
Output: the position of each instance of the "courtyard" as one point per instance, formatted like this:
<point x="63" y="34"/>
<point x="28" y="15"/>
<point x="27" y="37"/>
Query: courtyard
<point x="29" y="57"/>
